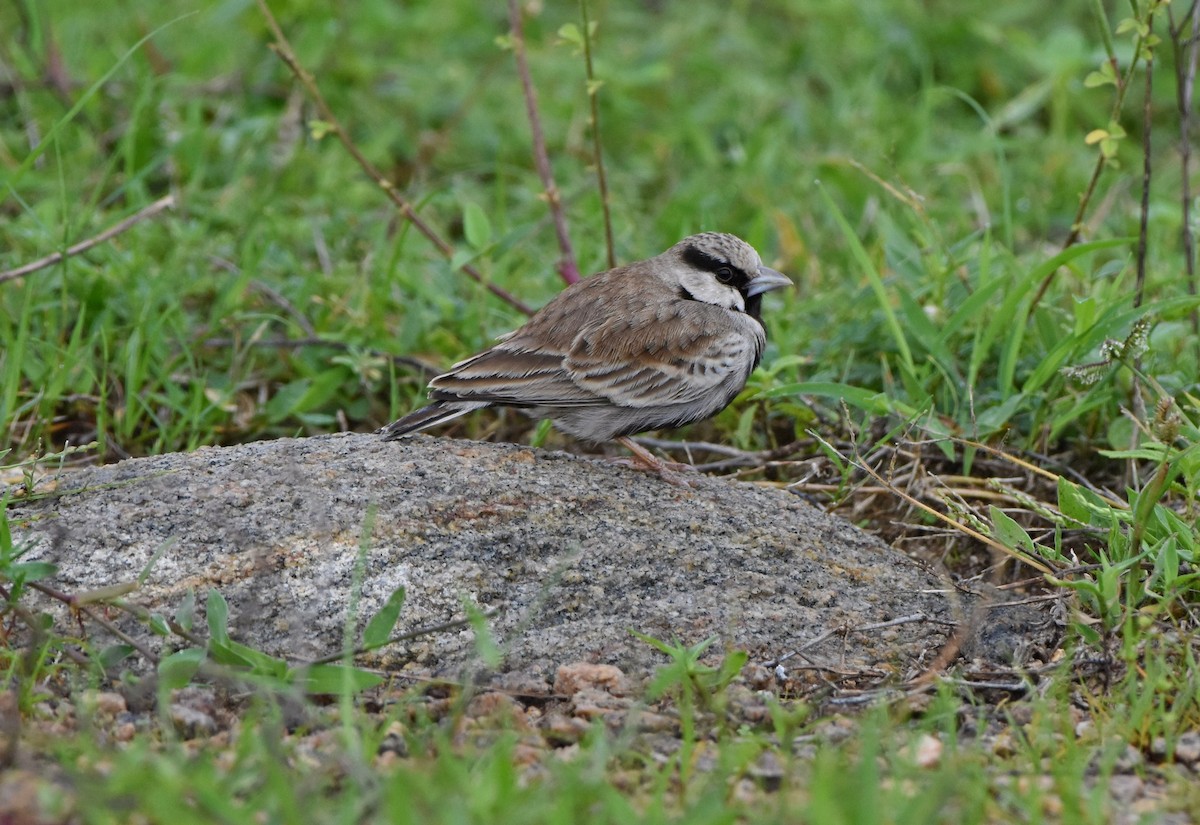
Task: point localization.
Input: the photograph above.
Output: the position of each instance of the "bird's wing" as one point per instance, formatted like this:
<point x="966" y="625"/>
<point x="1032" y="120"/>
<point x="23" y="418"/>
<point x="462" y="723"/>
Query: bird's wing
<point x="636" y="354"/>
<point x="677" y="353"/>
<point x="514" y="374"/>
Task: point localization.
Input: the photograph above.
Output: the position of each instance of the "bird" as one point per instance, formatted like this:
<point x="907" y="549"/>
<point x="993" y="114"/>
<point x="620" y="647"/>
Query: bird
<point x="654" y="344"/>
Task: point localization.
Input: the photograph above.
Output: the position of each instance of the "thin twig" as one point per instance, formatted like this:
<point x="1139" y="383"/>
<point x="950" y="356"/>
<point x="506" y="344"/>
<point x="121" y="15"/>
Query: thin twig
<point x="1144" y="222"/>
<point x="593" y="93"/>
<point x="846" y="630"/>
<point x="1011" y="687"/>
<point x="690" y="446"/>
<point x="143" y="615"/>
<point x="736" y="458"/>
<point x="401" y="637"/>
<point x="146" y="653"/>
<point x="283" y="48"/>
<point x="35" y="628"/>
<point x="83" y="246"/>
<point x="567" y="267"/>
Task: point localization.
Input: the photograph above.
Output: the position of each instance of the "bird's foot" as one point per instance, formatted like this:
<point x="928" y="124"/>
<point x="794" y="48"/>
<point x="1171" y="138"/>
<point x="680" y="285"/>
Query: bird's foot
<point x="681" y="475"/>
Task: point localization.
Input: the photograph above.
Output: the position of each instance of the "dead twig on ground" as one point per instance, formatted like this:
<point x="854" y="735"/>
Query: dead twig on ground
<point x="143" y="214"/>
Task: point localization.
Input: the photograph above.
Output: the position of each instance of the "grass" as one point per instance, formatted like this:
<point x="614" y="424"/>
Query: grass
<point x="916" y="167"/>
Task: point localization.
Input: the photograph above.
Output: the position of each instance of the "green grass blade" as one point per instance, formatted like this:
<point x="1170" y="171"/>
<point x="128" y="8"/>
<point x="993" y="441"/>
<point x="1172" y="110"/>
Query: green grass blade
<point x="867" y="268"/>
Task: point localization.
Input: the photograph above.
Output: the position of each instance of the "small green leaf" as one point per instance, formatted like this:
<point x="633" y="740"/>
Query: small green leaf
<point x="1008" y="532"/>
<point x="236" y="654"/>
<point x="1127" y="25"/>
<point x="176" y="671"/>
<point x="158" y="625"/>
<point x="319" y="128"/>
<point x="745" y="427"/>
<point x="185" y="614"/>
<point x="379" y="629"/>
<point x="1089" y="635"/>
<point x="730" y="667"/>
<point x="1167" y="561"/>
<point x="113" y="655"/>
<point x="31" y="571"/>
<point x="1095" y="79"/>
<point x="333" y="679"/>
<point x="1085" y="507"/>
<point x="541" y="432"/>
<point x="217" y="613"/>
<point x="657" y="644"/>
<point x="224" y="653"/>
<point x="461" y="258"/>
<point x="1085" y="314"/>
<point x="476" y="226"/>
<point x="570" y="33"/>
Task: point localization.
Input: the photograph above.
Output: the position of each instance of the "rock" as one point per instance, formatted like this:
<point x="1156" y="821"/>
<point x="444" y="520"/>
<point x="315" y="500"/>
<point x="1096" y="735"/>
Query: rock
<point x="30" y="798"/>
<point x="497" y="709"/>
<point x="579" y="676"/>
<point x="104" y="703"/>
<point x="927" y="752"/>
<point x="1187" y="747"/>
<point x="592" y="703"/>
<point x="566" y="553"/>
<point x="191" y="723"/>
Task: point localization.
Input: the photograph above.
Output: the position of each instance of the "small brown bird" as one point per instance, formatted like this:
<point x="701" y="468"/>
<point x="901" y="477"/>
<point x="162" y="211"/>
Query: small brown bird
<point x="654" y="344"/>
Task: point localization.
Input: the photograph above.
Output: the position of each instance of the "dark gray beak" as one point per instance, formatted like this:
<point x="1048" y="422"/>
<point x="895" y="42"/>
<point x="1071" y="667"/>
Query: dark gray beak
<point x="766" y="280"/>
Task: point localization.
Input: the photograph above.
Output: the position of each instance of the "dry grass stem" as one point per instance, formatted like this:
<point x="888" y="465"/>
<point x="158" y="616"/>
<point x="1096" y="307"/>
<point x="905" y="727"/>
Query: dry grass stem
<point x="160" y="205"/>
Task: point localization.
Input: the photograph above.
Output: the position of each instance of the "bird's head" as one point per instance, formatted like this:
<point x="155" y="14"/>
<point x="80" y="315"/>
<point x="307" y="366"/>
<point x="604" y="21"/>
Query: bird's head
<point x="722" y="269"/>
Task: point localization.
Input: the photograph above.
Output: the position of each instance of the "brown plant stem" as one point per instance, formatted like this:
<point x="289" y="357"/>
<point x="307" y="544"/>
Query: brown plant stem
<point x="567" y="267"/>
<point x="283" y="47"/>
<point x="597" y="145"/>
<point x="1144" y="221"/>
<point x="143" y="214"/>
<point x="1084" y="201"/>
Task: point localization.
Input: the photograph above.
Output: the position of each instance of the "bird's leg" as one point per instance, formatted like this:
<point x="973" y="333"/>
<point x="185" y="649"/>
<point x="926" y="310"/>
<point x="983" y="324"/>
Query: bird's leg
<point x="646" y="460"/>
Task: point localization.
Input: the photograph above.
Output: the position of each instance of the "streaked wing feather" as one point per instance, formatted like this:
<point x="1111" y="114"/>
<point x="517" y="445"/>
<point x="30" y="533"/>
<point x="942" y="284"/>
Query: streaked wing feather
<point x="636" y="354"/>
<point x="652" y="381"/>
<point x="507" y="375"/>
<point x="674" y="356"/>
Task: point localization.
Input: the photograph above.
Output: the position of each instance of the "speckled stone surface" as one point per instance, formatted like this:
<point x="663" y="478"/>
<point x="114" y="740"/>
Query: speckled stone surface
<point x="570" y="553"/>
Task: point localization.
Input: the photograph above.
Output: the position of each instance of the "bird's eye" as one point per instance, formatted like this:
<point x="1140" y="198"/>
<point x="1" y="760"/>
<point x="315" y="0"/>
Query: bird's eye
<point x="724" y="275"/>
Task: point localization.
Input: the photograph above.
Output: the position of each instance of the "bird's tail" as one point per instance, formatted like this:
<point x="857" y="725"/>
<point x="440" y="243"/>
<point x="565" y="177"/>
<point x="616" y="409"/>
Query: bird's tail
<point x="436" y="413"/>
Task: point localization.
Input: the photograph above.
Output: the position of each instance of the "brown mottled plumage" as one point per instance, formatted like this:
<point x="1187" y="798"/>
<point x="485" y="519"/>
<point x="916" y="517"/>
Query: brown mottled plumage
<point x="657" y="343"/>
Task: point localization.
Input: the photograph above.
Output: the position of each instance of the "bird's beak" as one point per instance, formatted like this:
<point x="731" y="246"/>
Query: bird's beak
<point x="766" y="280"/>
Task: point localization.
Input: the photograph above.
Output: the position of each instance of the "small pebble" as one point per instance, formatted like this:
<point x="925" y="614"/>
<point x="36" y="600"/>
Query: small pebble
<point x="573" y="678"/>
